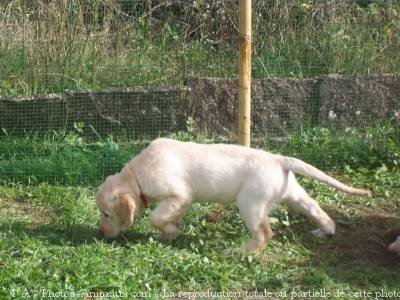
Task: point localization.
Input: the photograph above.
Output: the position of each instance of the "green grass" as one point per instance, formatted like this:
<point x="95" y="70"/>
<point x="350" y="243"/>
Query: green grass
<point x="370" y="147"/>
<point x="48" y="223"/>
<point x="48" y="219"/>
<point x="63" y="158"/>
<point x="49" y="243"/>
<point x="77" y="45"/>
<point x="70" y="158"/>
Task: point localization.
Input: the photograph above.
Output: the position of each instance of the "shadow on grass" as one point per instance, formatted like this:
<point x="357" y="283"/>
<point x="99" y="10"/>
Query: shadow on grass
<point x="360" y="240"/>
<point x="53" y="234"/>
<point x="74" y="235"/>
<point x="78" y="234"/>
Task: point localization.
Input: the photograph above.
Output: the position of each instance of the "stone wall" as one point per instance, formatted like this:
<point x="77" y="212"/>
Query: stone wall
<point x="141" y="112"/>
<point x="282" y="105"/>
<point x="355" y="101"/>
<point x="279" y="106"/>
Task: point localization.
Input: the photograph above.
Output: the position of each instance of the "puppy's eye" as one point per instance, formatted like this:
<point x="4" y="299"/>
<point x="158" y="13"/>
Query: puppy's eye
<point x="106" y="215"/>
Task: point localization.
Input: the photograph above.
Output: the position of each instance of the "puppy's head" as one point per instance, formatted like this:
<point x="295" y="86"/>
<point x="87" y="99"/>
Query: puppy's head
<point x="117" y="204"/>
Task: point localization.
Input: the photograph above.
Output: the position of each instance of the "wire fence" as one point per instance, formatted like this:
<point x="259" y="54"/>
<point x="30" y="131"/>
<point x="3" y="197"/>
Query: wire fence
<point x="81" y="82"/>
<point x="52" y="46"/>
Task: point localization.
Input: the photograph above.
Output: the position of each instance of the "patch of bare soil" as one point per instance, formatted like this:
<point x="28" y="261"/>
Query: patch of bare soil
<point x="24" y="211"/>
<point x="367" y="238"/>
<point x="216" y="215"/>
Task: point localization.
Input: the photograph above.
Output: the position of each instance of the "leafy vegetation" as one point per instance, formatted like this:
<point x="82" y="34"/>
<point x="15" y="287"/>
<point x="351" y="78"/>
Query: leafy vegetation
<point x="48" y="223"/>
<point x="49" y="47"/>
<point x="331" y="149"/>
<point x="48" y="218"/>
<point x="70" y="158"/>
<point x="49" y="245"/>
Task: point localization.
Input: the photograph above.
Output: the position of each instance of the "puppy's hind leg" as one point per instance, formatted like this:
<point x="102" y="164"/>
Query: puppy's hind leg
<point x="297" y="197"/>
<point x="252" y="208"/>
<point x="167" y="216"/>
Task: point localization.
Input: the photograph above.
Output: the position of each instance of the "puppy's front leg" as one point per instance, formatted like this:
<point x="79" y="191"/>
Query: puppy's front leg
<point x="167" y="215"/>
<point x="253" y="209"/>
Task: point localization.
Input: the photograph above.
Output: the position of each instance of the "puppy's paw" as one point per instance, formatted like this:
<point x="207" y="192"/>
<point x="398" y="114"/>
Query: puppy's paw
<point x="178" y="223"/>
<point x="326" y="230"/>
<point x="254" y="245"/>
<point x="167" y="237"/>
<point x="169" y="232"/>
<point x="395" y="246"/>
<point x="322" y="233"/>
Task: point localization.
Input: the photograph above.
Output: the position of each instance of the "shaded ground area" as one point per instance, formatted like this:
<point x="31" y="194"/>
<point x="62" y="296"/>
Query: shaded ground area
<point x="365" y="238"/>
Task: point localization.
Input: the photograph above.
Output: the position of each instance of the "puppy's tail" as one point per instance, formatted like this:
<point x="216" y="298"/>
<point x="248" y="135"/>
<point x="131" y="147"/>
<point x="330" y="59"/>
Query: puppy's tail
<point x="300" y="167"/>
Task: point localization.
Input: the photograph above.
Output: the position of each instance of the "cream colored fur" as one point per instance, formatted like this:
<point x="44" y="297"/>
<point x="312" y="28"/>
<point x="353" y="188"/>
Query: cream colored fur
<point x="175" y="174"/>
<point x="395" y="246"/>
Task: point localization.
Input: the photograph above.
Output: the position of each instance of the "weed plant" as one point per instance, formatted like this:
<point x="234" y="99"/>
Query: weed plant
<point x="70" y="158"/>
<point x="48" y="223"/>
<point x="52" y="46"/>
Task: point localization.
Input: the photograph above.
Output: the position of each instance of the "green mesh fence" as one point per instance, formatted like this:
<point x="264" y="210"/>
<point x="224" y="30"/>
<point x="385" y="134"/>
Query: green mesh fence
<point x="85" y="85"/>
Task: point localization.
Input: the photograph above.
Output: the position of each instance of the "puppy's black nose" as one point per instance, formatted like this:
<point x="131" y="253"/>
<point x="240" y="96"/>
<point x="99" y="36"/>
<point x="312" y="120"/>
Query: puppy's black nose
<point x="100" y="232"/>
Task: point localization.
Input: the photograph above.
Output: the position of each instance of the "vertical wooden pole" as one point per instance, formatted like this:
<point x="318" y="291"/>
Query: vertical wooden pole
<point x="244" y="71"/>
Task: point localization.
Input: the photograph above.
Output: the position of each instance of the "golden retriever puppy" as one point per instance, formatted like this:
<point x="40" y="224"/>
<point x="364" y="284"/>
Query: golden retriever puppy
<point x="395" y="246"/>
<point x="174" y="174"/>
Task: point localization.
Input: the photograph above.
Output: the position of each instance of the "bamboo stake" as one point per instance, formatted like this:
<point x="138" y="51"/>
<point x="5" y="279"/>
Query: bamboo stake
<point x="244" y="71"/>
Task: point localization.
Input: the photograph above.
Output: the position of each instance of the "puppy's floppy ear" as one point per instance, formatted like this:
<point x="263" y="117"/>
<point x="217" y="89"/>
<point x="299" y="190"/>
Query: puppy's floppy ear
<point x="125" y="208"/>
